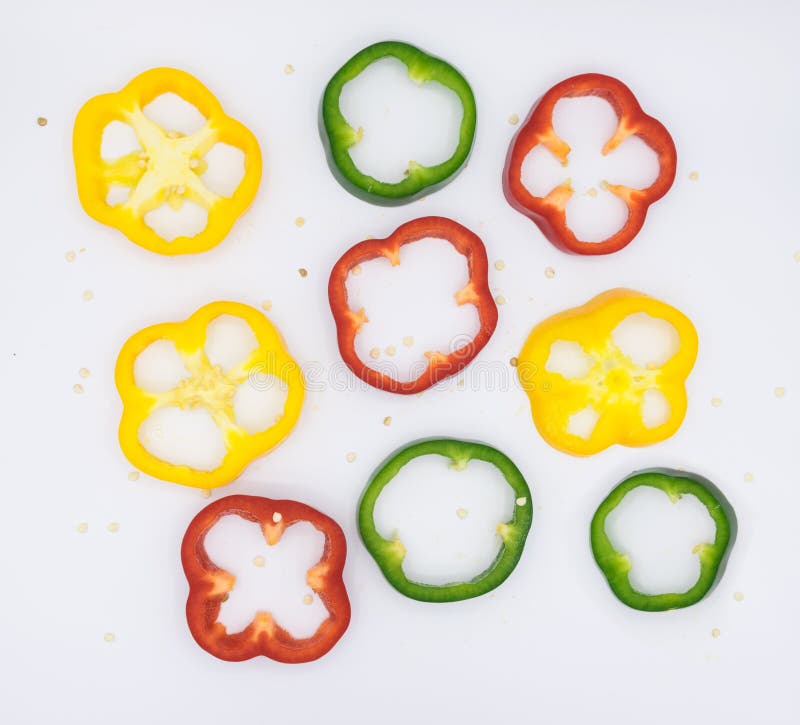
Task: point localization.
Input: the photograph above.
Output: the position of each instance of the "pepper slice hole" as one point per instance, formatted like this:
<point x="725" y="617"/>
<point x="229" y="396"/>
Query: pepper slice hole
<point x="197" y="394"/>
<point x="446" y="517"/>
<point x="584" y="185"/>
<point x="411" y="307"/>
<point x="276" y="582"/>
<point x="660" y="536"/>
<point x="399" y="120"/>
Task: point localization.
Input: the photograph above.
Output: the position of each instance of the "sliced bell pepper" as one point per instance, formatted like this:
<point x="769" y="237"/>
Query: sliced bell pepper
<point x="210" y="586"/>
<point x="389" y="554"/>
<point x="476" y="292"/>
<point x="616" y="565"/>
<point x="338" y="136"/>
<point x="612" y="386"/>
<point x="207" y="386"/>
<point x="549" y="212"/>
<point x="169" y="166"/>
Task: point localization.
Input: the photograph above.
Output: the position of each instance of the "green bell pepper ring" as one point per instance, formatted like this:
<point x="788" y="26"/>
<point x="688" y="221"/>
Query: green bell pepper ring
<point x="389" y="555"/>
<point x="338" y="136"/>
<point x="616" y="565"/>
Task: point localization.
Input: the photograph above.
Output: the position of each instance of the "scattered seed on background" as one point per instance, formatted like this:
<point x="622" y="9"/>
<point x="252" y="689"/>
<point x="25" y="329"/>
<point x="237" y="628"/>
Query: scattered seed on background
<point x="82" y="527"/>
<point x="749" y="477"/>
<point x="113" y="527"/>
<point x="307" y="599"/>
<point x="549" y="272"/>
<point x="408" y="341"/>
<point x="715" y="633"/>
<point x="513" y="362"/>
<point x="780" y="392"/>
<point x="84" y="372"/>
<point x="391" y="350"/>
<point x="288" y="69"/>
<point x="259" y="561"/>
<point x="592" y="192"/>
<point x="70" y="256"/>
<point x="77" y="388"/>
<point x="500" y="300"/>
<point x="513" y="119"/>
<point x="133" y="476"/>
<point x="87" y="295"/>
<point x="461" y="513"/>
<point x="499" y="265"/>
<point x="299" y="222"/>
<point x="42" y="121"/>
<point x="716" y="402"/>
<point x="387" y="420"/>
<point x="350" y="457"/>
<point x="109" y="637"/>
<point x="375" y="353"/>
<point x="266" y="305"/>
<point x="694" y="176"/>
<point x="303" y="272"/>
<point x="739" y="597"/>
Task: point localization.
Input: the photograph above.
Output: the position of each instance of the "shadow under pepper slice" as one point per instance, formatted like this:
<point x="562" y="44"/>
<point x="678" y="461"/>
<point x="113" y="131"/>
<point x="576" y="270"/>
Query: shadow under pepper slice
<point x="209" y="585"/>
<point x="389" y="554"/>
<point x="338" y="136"/>
<point x="549" y="212"/>
<point x="169" y="166"/>
<point x="476" y="292"/>
<point x="208" y="387"/>
<point x="616" y="565"/>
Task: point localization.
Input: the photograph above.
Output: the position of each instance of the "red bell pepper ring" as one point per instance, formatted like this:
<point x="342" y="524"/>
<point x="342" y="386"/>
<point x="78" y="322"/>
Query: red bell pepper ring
<point x="209" y="585"/>
<point x="476" y="292"/>
<point x="549" y="212"/>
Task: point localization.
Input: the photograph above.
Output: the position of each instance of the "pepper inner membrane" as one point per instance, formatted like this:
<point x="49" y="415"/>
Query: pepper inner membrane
<point x="624" y="367"/>
<point x="172" y="190"/>
<point x="660" y="537"/>
<point x="593" y="211"/>
<point x="269" y="578"/>
<point x="199" y="394"/>
<point x="411" y="308"/>
<point x="446" y="517"/>
<point x="400" y="120"/>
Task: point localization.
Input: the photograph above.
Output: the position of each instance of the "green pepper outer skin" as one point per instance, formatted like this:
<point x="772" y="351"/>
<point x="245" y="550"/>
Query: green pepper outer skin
<point x="713" y="557"/>
<point x="338" y="136"/>
<point x="390" y="558"/>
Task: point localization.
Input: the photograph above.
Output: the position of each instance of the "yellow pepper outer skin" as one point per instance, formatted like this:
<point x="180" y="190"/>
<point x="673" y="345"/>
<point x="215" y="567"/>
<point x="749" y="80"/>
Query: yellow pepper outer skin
<point x="210" y="388"/>
<point x="167" y="164"/>
<point x="615" y="385"/>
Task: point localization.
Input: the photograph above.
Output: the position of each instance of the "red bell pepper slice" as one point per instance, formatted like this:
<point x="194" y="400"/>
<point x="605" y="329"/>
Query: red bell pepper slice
<point x="476" y="292"/>
<point x="549" y="212"/>
<point x="209" y="585"/>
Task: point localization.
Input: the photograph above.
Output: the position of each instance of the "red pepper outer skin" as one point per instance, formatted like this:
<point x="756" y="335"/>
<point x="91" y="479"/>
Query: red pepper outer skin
<point x="477" y="292"/>
<point x="209" y="585"/>
<point x="548" y="212"/>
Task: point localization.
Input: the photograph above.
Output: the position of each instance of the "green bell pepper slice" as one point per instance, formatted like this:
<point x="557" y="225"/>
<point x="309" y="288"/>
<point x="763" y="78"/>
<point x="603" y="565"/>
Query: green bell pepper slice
<point x="389" y="555"/>
<point x="338" y="136"/>
<point x="616" y="565"/>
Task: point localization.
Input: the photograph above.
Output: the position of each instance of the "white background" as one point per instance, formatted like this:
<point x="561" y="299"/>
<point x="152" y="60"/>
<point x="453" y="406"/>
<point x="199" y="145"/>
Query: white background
<point x="552" y="645"/>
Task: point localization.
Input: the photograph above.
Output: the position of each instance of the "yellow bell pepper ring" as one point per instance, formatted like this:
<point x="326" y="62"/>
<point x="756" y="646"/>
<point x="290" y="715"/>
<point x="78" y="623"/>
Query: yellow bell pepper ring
<point x="208" y="386"/>
<point x="169" y="166"/>
<point x="610" y="371"/>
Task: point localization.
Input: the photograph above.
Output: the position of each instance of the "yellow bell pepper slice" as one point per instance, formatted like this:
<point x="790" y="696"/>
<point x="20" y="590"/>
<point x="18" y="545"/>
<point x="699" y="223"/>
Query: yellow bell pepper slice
<point x="608" y="386"/>
<point x="209" y="387"/>
<point x="169" y="166"/>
